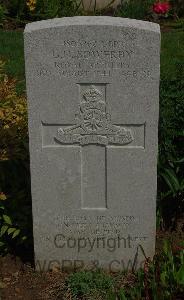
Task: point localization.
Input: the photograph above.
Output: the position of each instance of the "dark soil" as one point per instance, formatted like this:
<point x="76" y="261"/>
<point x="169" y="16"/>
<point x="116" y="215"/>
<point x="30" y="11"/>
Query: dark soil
<point x="21" y="281"/>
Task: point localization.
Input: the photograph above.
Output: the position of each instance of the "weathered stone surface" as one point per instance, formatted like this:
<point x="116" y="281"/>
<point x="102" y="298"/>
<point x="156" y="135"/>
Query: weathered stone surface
<point x="93" y="97"/>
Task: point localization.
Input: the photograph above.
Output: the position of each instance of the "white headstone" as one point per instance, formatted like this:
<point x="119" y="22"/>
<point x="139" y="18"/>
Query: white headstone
<point x="93" y="99"/>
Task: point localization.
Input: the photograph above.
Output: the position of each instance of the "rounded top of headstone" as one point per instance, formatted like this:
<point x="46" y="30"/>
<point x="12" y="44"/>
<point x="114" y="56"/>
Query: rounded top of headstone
<point x="92" y="21"/>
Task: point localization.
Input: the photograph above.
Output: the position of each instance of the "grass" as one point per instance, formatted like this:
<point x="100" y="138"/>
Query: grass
<point x="172" y="51"/>
<point x="12" y="50"/>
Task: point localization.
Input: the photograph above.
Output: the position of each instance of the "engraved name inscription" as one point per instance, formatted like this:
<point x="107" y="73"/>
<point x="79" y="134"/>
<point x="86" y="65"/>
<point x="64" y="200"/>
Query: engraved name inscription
<point x="79" y="58"/>
<point x="95" y="58"/>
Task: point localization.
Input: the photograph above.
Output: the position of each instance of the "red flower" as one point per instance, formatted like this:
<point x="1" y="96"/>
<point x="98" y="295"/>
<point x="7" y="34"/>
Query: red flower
<point x="161" y="7"/>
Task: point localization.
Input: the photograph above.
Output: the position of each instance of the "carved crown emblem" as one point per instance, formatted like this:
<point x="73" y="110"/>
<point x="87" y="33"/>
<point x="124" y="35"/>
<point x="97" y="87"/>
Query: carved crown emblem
<point x="92" y="95"/>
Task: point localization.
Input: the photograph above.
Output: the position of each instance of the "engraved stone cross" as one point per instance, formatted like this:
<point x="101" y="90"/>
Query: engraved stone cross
<point x="94" y="132"/>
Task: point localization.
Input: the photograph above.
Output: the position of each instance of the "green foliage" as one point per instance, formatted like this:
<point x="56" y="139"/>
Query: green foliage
<point x="85" y="283"/>
<point x="3" y="13"/>
<point x="16" y="8"/>
<point x="44" y="9"/>
<point x="56" y="8"/>
<point x="134" y="9"/>
<point x="15" y="202"/>
<point x="160" y="279"/>
<point x="7" y="229"/>
<point x="171" y="144"/>
<point x="171" y="133"/>
<point x="171" y="113"/>
<point x="178" y="7"/>
<point x="169" y="270"/>
<point x="171" y="176"/>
